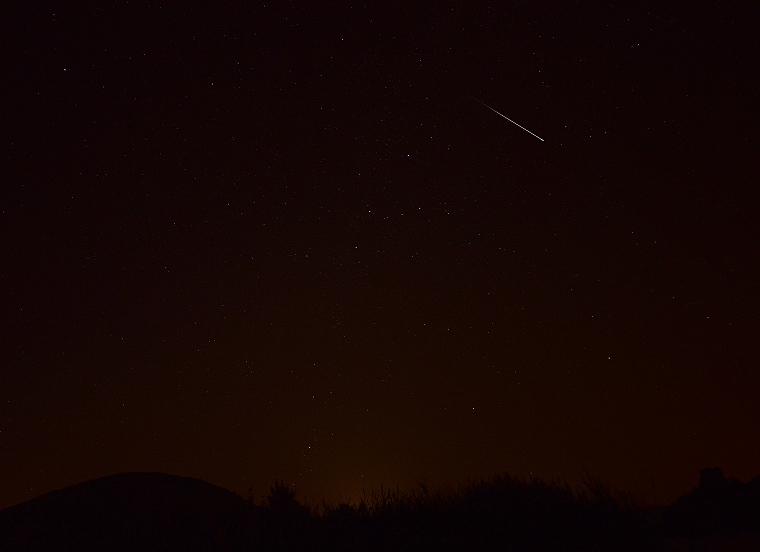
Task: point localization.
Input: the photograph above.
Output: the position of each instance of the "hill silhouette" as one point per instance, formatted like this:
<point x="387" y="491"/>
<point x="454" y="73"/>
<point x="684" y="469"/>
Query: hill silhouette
<point x="130" y="511"/>
<point x="160" y="512"/>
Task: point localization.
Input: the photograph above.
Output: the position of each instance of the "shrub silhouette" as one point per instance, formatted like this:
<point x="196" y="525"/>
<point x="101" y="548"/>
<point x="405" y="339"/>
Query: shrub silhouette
<point x="282" y="500"/>
<point x="499" y="513"/>
<point x="287" y="524"/>
<point x="509" y="513"/>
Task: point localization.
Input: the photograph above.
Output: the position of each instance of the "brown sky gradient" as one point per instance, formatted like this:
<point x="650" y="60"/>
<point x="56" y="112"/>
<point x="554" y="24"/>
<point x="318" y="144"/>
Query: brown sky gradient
<point x="242" y="244"/>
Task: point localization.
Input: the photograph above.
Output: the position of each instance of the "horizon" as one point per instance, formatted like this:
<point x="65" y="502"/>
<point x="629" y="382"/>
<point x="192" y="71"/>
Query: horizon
<point x="172" y="512"/>
<point x="444" y="488"/>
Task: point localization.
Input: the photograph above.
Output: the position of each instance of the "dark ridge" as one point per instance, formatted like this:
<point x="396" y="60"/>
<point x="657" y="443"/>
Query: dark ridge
<point x="160" y="512"/>
<point x="129" y="511"/>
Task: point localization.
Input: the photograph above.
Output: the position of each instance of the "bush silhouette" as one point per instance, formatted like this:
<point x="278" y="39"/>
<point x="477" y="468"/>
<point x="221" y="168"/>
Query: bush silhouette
<point x="499" y="513"/>
<point x="282" y="500"/>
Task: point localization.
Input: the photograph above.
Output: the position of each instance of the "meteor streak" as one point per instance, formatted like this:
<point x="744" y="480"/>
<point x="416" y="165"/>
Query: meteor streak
<point x="507" y="118"/>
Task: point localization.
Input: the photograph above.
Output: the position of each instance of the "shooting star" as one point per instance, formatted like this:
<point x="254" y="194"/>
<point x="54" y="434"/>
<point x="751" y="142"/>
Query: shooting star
<point x="507" y="118"/>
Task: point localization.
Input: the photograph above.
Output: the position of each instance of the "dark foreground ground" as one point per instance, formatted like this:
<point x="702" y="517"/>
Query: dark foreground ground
<point x="153" y="511"/>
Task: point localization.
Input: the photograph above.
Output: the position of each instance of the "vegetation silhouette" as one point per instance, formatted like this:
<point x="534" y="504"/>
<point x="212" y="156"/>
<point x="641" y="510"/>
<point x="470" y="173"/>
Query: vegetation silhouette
<point x="502" y="512"/>
<point x="165" y="513"/>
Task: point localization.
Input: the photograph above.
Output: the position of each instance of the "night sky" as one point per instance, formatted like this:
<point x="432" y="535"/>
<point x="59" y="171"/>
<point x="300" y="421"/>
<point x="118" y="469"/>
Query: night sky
<point x="266" y="241"/>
